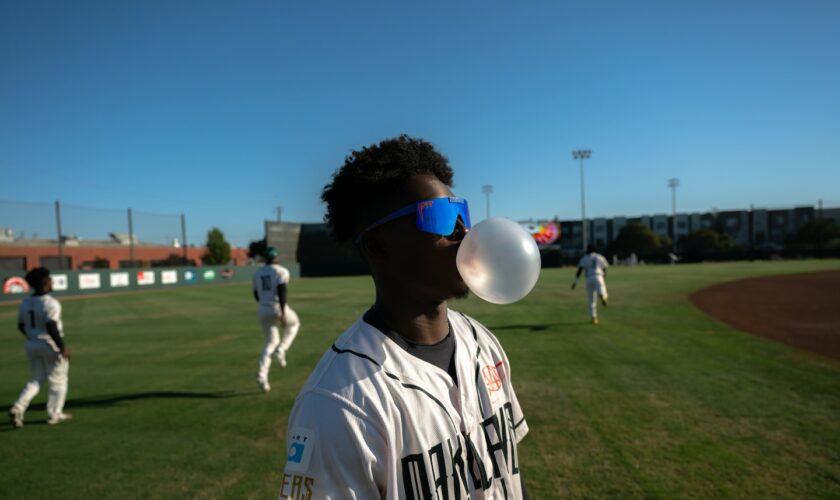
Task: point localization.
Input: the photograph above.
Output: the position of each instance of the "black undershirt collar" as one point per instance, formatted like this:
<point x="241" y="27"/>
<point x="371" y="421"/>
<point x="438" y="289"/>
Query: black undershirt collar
<point x="441" y="354"/>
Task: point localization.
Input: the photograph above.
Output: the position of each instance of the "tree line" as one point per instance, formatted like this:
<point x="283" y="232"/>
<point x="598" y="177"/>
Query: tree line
<point x="817" y="237"/>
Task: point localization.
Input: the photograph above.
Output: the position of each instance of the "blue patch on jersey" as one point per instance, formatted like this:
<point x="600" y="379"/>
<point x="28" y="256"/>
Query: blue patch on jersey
<point x="296" y="452"/>
<point x="301" y="444"/>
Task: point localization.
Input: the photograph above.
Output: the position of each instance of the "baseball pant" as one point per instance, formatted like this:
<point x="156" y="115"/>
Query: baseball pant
<point x="594" y="289"/>
<point x="270" y="318"/>
<point x="46" y="366"/>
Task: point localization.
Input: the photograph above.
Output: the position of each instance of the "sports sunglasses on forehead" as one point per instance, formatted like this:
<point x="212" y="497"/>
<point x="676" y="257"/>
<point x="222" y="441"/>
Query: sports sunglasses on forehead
<point x="437" y="216"/>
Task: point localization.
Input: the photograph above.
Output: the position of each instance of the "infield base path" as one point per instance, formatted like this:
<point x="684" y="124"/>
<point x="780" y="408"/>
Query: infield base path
<point x="801" y="310"/>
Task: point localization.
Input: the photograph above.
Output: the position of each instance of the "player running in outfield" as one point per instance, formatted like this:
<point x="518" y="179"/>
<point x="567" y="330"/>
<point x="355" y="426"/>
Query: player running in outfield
<point x="39" y="320"/>
<point x="595" y="266"/>
<point x="414" y="400"/>
<point x="269" y="284"/>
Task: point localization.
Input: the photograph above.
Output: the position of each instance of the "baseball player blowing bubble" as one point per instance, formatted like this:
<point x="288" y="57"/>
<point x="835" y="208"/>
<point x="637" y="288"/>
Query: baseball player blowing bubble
<point x="414" y="400"/>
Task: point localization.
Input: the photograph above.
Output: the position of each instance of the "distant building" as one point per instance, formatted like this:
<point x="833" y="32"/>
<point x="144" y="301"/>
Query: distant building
<point x="758" y="228"/>
<point x="26" y="254"/>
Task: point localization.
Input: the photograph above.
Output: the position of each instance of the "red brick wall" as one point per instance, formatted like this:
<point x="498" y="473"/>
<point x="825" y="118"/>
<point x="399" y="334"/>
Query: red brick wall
<point x="114" y="254"/>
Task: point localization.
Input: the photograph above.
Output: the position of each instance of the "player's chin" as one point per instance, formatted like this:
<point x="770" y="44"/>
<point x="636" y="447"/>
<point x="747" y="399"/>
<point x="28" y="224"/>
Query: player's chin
<point x="460" y="289"/>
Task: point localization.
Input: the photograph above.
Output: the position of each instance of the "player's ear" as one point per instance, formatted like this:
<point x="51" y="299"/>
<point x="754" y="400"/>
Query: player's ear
<point x="371" y="246"/>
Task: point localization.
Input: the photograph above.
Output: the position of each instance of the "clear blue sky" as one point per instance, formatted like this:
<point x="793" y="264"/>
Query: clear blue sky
<point x="225" y="110"/>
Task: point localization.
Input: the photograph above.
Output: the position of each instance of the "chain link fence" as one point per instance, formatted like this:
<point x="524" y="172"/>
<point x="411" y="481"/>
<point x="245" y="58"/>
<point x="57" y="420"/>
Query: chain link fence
<point x="69" y="236"/>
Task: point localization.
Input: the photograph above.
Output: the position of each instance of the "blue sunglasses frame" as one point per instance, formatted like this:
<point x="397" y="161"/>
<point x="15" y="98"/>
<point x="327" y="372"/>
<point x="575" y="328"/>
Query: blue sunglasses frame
<point x="437" y="216"/>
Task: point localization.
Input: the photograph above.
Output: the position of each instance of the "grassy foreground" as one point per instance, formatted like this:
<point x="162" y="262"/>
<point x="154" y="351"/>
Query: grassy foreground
<point x="656" y="401"/>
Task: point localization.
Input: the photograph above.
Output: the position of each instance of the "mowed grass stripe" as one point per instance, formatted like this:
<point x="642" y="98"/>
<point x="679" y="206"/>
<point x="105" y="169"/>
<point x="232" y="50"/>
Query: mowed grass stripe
<point x="658" y="400"/>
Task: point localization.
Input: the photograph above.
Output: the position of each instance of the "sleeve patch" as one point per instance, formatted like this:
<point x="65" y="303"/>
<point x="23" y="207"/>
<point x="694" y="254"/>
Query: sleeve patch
<point x="301" y="443"/>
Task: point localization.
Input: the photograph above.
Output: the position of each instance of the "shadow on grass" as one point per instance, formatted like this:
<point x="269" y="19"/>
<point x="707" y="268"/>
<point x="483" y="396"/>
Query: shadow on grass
<point x="103" y="401"/>
<point x="536" y="327"/>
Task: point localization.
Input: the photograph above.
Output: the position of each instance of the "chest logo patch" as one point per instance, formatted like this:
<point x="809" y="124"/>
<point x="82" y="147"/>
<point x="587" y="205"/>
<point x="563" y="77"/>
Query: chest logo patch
<point x="491" y="378"/>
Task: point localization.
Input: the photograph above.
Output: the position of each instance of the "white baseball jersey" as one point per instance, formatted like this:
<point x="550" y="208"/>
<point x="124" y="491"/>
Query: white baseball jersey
<point x="35" y="312"/>
<point x="266" y="280"/>
<point x="594" y="265"/>
<point x="374" y="421"/>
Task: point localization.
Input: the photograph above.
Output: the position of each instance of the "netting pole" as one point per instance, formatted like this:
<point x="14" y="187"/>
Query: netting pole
<point x="130" y="240"/>
<point x="184" y="236"/>
<point x="58" y="227"/>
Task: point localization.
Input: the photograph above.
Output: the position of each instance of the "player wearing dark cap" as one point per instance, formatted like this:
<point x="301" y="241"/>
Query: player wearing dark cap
<point x="269" y="286"/>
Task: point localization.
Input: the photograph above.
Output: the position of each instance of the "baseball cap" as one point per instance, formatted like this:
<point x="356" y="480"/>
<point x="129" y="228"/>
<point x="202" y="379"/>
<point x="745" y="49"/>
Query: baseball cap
<point x="271" y="252"/>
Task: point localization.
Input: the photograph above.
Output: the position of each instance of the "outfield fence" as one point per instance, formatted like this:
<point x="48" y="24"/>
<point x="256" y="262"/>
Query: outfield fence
<point x="68" y="283"/>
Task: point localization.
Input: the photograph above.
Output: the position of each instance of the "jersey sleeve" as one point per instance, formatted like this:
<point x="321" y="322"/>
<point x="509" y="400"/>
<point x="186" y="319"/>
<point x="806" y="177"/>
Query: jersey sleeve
<point x="333" y="451"/>
<point x="582" y="261"/>
<point x="52" y="311"/>
<point x="283" y="275"/>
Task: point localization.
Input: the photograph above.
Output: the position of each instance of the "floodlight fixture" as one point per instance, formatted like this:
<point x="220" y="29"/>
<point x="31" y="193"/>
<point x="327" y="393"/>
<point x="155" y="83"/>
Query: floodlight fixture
<point x="487" y="190"/>
<point x="582" y="154"/>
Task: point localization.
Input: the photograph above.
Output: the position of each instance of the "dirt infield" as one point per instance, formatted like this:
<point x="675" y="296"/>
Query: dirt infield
<point x="801" y="310"/>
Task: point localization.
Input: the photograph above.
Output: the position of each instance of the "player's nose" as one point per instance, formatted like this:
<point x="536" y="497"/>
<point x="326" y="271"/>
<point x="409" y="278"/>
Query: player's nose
<point x="459" y="232"/>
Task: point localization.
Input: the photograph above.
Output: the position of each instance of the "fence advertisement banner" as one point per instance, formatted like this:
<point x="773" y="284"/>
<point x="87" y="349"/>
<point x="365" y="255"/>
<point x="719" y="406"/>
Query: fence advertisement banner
<point x="68" y="283"/>
<point x="59" y="282"/>
<point x="119" y="279"/>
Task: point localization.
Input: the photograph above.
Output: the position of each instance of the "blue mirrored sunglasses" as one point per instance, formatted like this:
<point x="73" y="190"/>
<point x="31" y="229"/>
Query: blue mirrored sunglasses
<point x="437" y="216"/>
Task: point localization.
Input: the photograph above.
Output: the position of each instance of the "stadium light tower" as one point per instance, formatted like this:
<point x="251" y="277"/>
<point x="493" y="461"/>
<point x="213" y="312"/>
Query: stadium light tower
<point x="487" y="189"/>
<point x="582" y="154"/>
<point x="674" y="183"/>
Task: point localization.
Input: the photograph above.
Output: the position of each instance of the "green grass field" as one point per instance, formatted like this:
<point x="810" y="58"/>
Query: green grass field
<point x="656" y="401"/>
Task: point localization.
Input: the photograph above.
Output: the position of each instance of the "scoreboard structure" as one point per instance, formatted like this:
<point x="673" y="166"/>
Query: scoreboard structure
<point x="312" y="247"/>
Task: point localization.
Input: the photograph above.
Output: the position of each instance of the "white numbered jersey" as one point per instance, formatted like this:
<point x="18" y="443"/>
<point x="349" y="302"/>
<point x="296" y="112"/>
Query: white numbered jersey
<point x="266" y="280"/>
<point x="35" y="312"/>
<point x="593" y="265"/>
<point x="373" y="421"/>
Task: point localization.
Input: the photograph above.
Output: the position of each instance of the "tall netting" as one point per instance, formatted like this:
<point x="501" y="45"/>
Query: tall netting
<point x="93" y="224"/>
<point x="23" y="220"/>
<point x="157" y="229"/>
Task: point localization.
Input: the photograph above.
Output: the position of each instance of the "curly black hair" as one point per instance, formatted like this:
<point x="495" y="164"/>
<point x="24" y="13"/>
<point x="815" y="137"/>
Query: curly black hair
<point x="375" y="173"/>
<point x="36" y="277"/>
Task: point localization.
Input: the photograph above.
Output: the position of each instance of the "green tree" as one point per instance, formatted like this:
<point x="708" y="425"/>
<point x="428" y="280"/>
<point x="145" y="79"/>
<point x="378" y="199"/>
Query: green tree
<point x="817" y="233"/>
<point x="637" y="238"/>
<point x="218" y="250"/>
<point x="257" y="248"/>
<point x="705" y="242"/>
<point x="100" y="263"/>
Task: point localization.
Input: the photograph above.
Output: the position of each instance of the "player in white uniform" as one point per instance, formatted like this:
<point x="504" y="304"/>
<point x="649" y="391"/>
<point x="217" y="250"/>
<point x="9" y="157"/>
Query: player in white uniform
<point x="39" y="320"/>
<point x="595" y="267"/>
<point x="269" y="285"/>
<point x="414" y="400"/>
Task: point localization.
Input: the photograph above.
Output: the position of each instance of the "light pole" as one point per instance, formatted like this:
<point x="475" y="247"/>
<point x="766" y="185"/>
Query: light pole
<point x="487" y="189"/>
<point x="582" y="154"/>
<point x="674" y="184"/>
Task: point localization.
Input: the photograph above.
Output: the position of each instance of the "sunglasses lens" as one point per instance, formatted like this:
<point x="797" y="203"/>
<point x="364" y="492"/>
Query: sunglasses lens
<point x="439" y="216"/>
